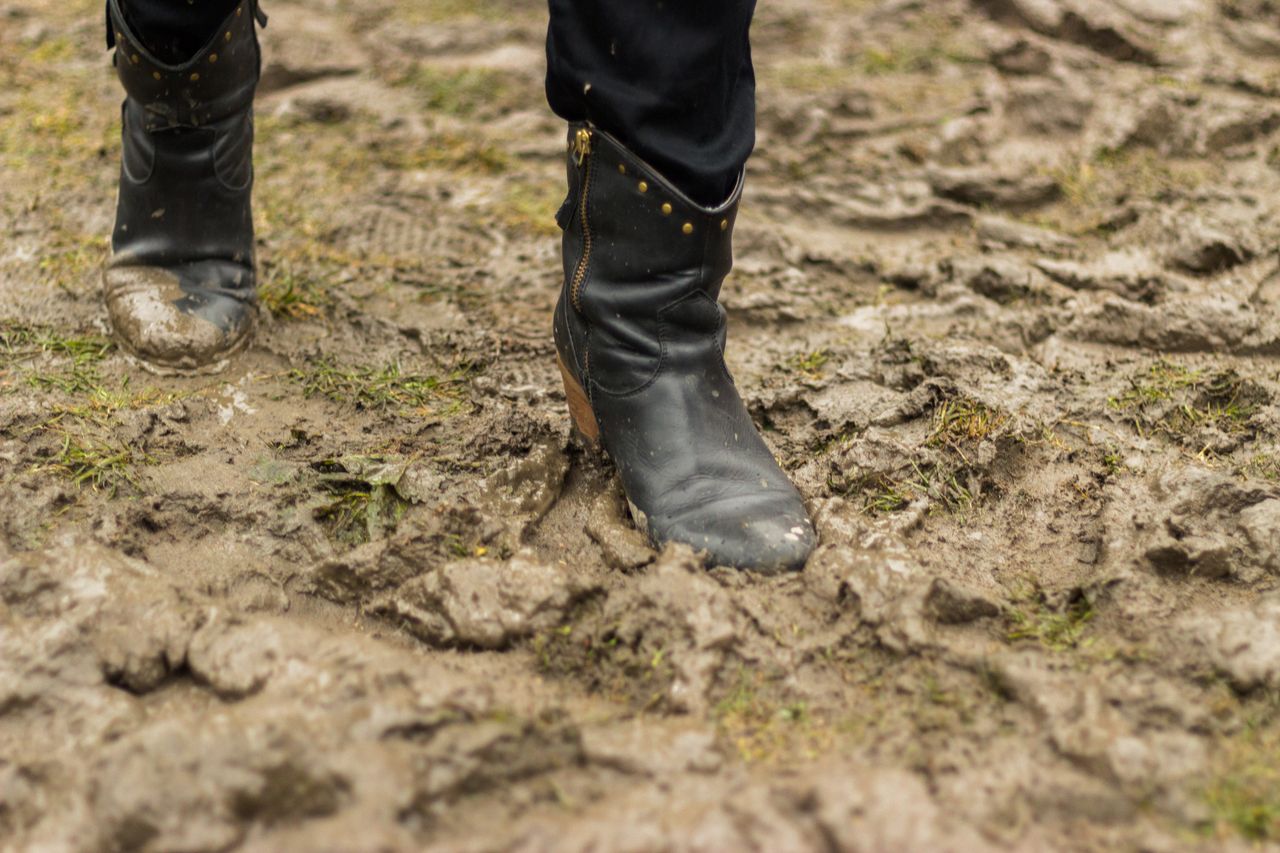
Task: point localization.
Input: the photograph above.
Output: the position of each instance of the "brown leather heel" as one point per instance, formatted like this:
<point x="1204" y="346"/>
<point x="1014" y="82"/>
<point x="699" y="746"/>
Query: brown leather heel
<point x="584" y="420"/>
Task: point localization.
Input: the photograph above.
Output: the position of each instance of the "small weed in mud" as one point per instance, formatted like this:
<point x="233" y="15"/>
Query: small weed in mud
<point x="588" y="650"/>
<point x="1113" y="461"/>
<point x="379" y="388"/>
<point x="1244" y="796"/>
<point x="1059" y="628"/>
<point x="1177" y="402"/>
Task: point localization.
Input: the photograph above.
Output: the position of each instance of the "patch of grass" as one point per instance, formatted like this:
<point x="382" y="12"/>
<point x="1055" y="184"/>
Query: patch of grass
<point x="1244" y="796"/>
<point x="67" y="260"/>
<point x="764" y="729"/>
<point x="964" y="421"/>
<point x="531" y="207"/>
<point x="20" y="341"/>
<point x="73" y="359"/>
<point x="1264" y="466"/>
<point x="810" y="364"/>
<point x="101" y="465"/>
<point x="587" y="649"/>
<point x="287" y="293"/>
<point x="1092" y="186"/>
<point x="364" y="504"/>
<point x="1177" y="401"/>
<point x="466" y="92"/>
<point x="1031" y="616"/>
<point x="360" y="512"/>
<point x="886" y="497"/>
<point x="380" y="388"/>
<point x="444" y="11"/>
<point x="920" y="45"/>
<point x="100" y="403"/>
<point x="940" y="484"/>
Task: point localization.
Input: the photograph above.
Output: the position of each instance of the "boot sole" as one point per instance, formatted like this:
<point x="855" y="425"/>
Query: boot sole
<point x="585" y="428"/>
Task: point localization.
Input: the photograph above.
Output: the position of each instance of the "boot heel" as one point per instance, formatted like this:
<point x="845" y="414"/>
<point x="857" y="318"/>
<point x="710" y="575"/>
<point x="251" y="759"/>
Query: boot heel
<point x="585" y="427"/>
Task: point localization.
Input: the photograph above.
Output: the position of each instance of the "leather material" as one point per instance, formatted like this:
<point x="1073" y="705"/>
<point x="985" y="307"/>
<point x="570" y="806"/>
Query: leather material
<point x="180" y="286"/>
<point x="639" y="327"/>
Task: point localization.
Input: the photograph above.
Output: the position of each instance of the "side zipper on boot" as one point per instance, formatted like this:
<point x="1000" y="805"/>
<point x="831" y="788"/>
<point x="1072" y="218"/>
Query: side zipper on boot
<point x="582" y="150"/>
<point x="580" y="411"/>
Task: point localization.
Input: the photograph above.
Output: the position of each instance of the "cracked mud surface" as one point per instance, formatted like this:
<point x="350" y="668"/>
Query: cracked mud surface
<point x="1005" y="304"/>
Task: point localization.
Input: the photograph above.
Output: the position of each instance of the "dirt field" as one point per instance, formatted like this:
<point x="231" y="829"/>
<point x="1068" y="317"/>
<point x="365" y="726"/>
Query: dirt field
<point x="1005" y="305"/>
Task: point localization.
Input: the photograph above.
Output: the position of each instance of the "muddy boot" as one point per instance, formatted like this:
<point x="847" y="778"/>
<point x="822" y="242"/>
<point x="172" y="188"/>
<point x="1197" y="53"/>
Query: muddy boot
<point x="180" y="286"/>
<point x="640" y="338"/>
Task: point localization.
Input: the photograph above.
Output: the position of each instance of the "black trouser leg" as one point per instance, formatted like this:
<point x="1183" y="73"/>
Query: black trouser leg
<point x="174" y="30"/>
<point x="671" y="79"/>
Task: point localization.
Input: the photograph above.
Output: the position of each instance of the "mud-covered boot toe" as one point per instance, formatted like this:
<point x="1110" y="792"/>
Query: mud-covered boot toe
<point x="166" y="324"/>
<point x="764" y="533"/>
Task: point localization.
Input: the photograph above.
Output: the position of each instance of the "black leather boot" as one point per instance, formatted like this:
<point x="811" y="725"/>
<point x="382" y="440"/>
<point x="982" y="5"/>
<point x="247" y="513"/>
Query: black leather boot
<point x="180" y="284"/>
<point x="640" y="337"/>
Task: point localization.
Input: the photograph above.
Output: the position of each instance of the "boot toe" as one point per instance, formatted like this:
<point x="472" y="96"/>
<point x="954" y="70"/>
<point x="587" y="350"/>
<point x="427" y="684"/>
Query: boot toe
<point x="757" y="533"/>
<point x="172" y="323"/>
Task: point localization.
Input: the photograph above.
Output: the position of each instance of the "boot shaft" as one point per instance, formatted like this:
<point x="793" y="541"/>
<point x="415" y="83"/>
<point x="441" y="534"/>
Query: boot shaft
<point x="643" y="265"/>
<point x="215" y="84"/>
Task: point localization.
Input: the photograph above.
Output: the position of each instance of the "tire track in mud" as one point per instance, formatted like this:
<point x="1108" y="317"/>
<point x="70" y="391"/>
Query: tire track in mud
<point x="1002" y="304"/>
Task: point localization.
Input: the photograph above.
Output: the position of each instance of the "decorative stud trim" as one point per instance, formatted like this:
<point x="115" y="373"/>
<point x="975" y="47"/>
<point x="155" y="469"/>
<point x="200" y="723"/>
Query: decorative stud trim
<point x="688" y="228"/>
<point x="644" y="186"/>
<point x="666" y="208"/>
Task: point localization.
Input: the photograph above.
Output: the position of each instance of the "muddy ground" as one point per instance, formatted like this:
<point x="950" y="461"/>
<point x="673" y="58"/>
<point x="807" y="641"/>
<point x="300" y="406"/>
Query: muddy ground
<point x="1005" y="306"/>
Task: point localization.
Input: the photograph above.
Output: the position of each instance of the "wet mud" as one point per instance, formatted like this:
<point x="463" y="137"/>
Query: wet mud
<point x="1005" y="306"/>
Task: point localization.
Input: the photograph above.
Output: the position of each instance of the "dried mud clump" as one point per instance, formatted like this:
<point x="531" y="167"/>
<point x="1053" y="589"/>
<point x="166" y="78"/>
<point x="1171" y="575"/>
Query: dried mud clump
<point x="670" y="639"/>
<point x="1242" y="644"/>
<point x="1193" y="523"/>
<point x="483" y="603"/>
